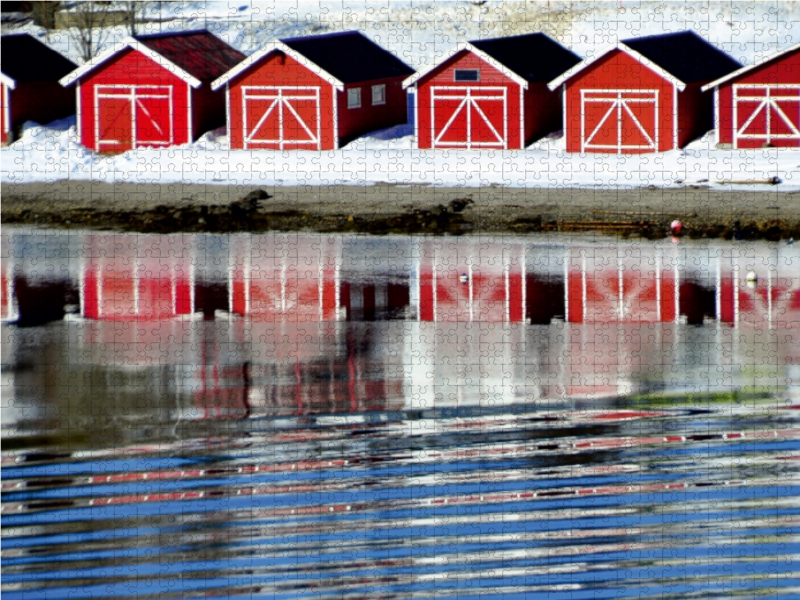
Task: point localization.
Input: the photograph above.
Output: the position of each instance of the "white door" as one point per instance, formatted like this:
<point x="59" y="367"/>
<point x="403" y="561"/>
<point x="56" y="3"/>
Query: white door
<point x="766" y="115"/>
<point x="469" y="117"/>
<point x="130" y="116"/>
<point x="278" y="118"/>
<point x="620" y="121"/>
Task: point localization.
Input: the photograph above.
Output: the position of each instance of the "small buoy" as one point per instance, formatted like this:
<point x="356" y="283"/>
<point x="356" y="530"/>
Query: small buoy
<point x="752" y="279"/>
<point x="675" y="226"/>
<point x="464" y="278"/>
<point x="790" y="241"/>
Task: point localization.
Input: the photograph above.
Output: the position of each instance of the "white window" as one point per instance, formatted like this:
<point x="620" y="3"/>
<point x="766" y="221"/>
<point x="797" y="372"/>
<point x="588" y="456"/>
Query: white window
<point x="354" y="98"/>
<point x="378" y="94"/>
<point x="467" y="75"/>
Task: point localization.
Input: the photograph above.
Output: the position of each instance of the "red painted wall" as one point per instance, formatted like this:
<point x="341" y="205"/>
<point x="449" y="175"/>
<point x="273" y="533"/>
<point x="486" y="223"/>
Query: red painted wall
<point x="617" y="70"/>
<point x="354" y="122"/>
<point x="278" y="69"/>
<point x="41" y="102"/>
<point x="542" y="111"/>
<point x="695" y="113"/>
<point x="443" y="75"/>
<point x="133" y="68"/>
<point x="208" y="109"/>
<point x="783" y="69"/>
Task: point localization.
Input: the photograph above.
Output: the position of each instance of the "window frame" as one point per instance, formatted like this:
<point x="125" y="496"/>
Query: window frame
<point x="351" y="92"/>
<point x="382" y="88"/>
<point x="476" y="71"/>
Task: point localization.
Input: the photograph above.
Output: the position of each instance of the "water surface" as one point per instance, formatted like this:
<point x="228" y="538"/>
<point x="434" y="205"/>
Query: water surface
<point x="292" y="415"/>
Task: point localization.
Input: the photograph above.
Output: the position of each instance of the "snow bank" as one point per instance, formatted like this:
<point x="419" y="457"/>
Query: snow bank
<point x="53" y="152"/>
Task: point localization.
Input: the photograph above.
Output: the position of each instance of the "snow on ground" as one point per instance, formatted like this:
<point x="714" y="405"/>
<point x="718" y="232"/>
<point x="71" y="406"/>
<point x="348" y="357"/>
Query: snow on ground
<point x="421" y="32"/>
<point x="52" y="153"/>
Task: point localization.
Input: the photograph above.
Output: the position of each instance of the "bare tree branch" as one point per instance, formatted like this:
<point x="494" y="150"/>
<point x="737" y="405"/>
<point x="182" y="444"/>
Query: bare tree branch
<point x="89" y="21"/>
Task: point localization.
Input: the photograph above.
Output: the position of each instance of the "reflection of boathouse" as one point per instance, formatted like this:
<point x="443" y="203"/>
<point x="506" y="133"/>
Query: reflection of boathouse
<point x="305" y="324"/>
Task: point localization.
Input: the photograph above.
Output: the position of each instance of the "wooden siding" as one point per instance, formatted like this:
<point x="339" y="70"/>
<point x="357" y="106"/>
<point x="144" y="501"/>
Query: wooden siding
<point x="444" y="76"/>
<point x="131" y="68"/>
<point x="618" y="71"/>
<point x="783" y="69"/>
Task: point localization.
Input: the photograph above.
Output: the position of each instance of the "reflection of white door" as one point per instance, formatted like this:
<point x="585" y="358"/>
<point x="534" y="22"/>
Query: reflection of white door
<point x="619" y="120"/>
<point x="282" y="117"/>
<point x="469" y="117"/>
<point x="766" y="114"/>
<point x="129" y="117"/>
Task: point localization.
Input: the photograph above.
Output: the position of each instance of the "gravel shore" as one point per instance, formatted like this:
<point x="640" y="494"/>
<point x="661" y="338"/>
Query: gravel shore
<point x="401" y="209"/>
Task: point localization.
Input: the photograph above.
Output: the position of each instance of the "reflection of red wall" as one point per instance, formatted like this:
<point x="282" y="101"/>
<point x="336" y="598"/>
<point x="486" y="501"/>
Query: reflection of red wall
<point x="113" y="296"/>
<point x="494" y="296"/>
<point x="6" y="297"/>
<point x="292" y="294"/>
<point x="611" y="298"/>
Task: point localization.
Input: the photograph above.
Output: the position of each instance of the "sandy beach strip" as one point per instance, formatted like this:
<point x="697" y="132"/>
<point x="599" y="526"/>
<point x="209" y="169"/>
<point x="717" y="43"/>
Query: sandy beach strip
<point x="704" y="211"/>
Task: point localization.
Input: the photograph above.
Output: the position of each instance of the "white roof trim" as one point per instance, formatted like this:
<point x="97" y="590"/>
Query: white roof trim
<point x="747" y="68"/>
<point x="567" y="75"/>
<point x="254" y="58"/>
<point x="7" y="81"/>
<point x="129" y="42"/>
<point x="411" y="81"/>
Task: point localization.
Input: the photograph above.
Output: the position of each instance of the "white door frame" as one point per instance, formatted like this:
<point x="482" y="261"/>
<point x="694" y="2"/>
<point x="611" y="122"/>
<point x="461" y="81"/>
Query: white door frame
<point x="7" y="112"/>
<point x="276" y="94"/>
<point x="768" y="100"/>
<point x="130" y="93"/>
<point x="619" y="104"/>
<point x="468" y="98"/>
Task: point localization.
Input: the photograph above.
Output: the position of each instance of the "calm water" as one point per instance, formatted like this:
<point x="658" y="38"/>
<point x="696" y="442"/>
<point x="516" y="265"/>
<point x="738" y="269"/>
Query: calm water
<point x="298" y="415"/>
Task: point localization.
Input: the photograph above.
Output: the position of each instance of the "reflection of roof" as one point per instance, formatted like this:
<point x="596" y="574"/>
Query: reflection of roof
<point x="685" y="55"/>
<point x="533" y="56"/>
<point x="349" y="56"/>
<point x="26" y="59"/>
<point x="199" y="53"/>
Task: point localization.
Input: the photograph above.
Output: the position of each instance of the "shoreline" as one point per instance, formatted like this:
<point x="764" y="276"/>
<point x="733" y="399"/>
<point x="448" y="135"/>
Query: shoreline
<point x="382" y="209"/>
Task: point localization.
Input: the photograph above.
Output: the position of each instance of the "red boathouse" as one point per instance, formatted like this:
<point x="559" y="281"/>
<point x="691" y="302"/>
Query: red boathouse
<point x="314" y="93"/>
<point x="29" y="88"/>
<point x="759" y="105"/>
<point x="491" y="94"/>
<point x="152" y="91"/>
<point x="644" y="95"/>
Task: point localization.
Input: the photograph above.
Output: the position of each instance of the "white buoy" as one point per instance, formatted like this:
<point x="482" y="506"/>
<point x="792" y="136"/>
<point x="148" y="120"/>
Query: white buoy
<point x="752" y="279"/>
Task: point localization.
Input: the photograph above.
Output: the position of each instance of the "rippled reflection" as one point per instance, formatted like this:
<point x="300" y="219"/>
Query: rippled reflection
<point x="309" y="416"/>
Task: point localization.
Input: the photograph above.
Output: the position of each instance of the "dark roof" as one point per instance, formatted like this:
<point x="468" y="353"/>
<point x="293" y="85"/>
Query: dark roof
<point x="200" y="53"/>
<point x="349" y="56"/>
<point x="27" y="59"/>
<point x="533" y="56"/>
<point x="685" y="55"/>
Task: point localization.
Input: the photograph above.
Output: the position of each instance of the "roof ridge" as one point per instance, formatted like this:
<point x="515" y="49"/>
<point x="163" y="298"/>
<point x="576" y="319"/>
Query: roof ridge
<point x="325" y="35"/>
<point x="513" y="37"/>
<point x="164" y="34"/>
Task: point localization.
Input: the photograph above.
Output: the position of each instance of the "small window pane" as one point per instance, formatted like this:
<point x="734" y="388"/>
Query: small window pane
<point x="466" y="74"/>
<point x="354" y="98"/>
<point x="378" y="94"/>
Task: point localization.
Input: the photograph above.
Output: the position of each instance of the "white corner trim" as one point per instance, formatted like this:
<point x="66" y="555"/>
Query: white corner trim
<point x="567" y="75"/>
<point x="7" y="81"/>
<point x="134" y="44"/>
<point x="748" y="68"/>
<point x="411" y="81"/>
<point x="268" y="49"/>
